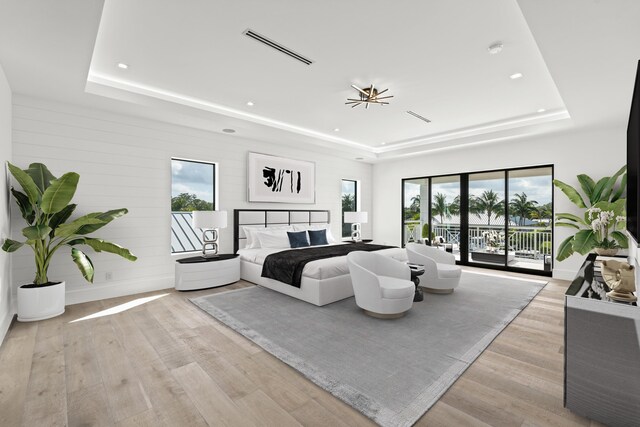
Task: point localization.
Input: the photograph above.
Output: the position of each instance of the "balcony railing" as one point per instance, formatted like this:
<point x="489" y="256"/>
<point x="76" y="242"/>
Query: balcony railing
<point x="183" y="237"/>
<point x="526" y="241"/>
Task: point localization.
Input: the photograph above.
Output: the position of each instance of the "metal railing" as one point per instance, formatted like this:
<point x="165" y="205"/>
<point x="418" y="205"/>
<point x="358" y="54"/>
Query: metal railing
<point x="183" y="237"/>
<point x="526" y="241"/>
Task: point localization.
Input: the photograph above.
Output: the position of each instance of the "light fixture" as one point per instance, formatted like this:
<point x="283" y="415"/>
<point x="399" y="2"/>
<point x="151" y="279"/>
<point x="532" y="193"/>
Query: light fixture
<point x="355" y="218"/>
<point x="122" y="65"/>
<point x="542" y="110"/>
<point x="208" y="222"/>
<point x="369" y="95"/>
<point x="250" y="103"/>
<point x="515" y="76"/>
<point x="495" y="48"/>
<point x="229" y="130"/>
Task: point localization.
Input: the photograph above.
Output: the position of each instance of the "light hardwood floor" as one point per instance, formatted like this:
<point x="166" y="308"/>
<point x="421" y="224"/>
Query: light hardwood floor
<point x="165" y="362"/>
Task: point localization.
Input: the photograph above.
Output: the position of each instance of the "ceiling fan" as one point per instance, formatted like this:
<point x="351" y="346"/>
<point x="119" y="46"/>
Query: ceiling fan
<point x="369" y="95"/>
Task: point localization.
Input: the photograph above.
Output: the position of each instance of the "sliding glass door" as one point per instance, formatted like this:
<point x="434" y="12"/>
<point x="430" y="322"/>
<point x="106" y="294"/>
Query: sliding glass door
<point x="486" y="233"/>
<point x="445" y="213"/>
<point x="496" y="219"/>
<point x="531" y="218"/>
<point x="415" y="210"/>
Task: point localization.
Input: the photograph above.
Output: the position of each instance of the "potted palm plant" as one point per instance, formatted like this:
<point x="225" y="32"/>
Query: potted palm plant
<point x="45" y="207"/>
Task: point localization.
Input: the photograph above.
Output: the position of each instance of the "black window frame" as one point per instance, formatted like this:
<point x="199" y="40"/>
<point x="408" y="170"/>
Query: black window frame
<point x="191" y="231"/>
<point x="355" y="203"/>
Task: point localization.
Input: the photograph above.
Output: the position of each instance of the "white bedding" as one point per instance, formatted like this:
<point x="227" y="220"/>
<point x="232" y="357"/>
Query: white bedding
<point x="320" y="269"/>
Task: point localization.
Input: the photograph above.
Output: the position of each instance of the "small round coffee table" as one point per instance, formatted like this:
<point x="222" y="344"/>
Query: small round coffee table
<point x="416" y="271"/>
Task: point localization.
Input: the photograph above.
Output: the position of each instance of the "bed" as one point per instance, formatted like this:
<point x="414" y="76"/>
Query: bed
<point x="323" y="281"/>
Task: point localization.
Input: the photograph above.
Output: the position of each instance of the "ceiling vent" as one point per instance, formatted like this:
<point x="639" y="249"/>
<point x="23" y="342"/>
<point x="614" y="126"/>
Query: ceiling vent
<point x="267" y="42"/>
<point x="418" y="116"/>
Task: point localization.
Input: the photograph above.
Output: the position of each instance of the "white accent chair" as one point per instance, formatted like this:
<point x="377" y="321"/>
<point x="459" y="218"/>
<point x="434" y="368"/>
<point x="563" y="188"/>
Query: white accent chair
<point x="441" y="274"/>
<point x="381" y="284"/>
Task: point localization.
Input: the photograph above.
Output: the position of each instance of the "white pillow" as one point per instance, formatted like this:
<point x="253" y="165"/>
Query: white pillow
<point x="302" y="227"/>
<point x="250" y="232"/>
<point x="273" y="239"/>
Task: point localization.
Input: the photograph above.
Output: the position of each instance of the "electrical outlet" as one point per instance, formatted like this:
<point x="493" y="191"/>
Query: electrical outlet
<point x="108" y="275"/>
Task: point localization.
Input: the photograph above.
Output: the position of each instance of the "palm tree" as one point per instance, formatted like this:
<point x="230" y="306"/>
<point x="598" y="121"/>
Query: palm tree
<point x="542" y="212"/>
<point x="488" y="203"/>
<point x="415" y="203"/>
<point x="521" y="207"/>
<point x="439" y="207"/>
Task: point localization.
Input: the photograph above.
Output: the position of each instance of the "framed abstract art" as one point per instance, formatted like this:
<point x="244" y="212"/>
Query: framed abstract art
<point x="280" y="180"/>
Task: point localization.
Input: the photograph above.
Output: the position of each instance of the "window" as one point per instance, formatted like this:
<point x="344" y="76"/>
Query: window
<point x="193" y="186"/>
<point x="349" y="203"/>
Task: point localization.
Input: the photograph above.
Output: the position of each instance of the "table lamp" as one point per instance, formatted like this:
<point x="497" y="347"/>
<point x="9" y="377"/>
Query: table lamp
<point x="208" y="222"/>
<point x="355" y="218"/>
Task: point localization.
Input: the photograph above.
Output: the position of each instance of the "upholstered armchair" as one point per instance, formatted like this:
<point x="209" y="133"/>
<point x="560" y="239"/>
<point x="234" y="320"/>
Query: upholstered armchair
<point x="441" y="274"/>
<point x="381" y="284"/>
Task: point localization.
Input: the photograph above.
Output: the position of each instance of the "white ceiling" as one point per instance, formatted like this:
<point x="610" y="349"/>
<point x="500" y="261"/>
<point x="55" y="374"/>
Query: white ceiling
<point x="191" y="63"/>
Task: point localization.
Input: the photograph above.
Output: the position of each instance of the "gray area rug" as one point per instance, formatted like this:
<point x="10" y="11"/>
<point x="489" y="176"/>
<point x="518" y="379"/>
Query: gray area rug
<point x="392" y="371"/>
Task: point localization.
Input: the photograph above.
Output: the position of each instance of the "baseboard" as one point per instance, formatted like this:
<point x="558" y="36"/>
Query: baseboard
<point x="5" y="323"/>
<point x="118" y="289"/>
<point x="564" y="274"/>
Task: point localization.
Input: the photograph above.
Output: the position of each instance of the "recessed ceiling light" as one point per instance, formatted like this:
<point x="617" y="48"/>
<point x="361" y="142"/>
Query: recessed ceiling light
<point x="542" y="110"/>
<point x="515" y="76"/>
<point x="495" y="48"/>
<point x="250" y="103"/>
<point x="336" y="130"/>
<point x="122" y="65"/>
<point x="229" y="130"/>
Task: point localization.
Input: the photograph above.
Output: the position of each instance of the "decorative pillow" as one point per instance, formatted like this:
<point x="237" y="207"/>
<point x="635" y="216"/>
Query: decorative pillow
<point x="273" y="239"/>
<point x="300" y="227"/>
<point x="252" y="239"/>
<point x="298" y="239"/>
<point x="318" y="237"/>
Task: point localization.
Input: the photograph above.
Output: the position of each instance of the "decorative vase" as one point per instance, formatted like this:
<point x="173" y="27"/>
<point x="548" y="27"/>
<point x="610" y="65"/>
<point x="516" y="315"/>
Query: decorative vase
<point x="606" y="252"/>
<point x="40" y="302"/>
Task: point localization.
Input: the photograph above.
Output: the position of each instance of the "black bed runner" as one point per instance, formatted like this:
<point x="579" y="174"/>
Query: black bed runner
<point x="287" y="266"/>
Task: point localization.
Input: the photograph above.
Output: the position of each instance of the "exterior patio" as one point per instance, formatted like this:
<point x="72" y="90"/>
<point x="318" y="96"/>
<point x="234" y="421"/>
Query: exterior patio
<point x="529" y="246"/>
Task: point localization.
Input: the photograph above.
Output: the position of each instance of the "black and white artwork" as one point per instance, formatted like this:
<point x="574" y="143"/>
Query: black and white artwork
<point x="278" y="179"/>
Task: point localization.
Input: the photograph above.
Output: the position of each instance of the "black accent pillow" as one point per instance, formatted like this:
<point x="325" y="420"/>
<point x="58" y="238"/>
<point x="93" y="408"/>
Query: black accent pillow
<point x="298" y="239"/>
<point x="318" y="237"/>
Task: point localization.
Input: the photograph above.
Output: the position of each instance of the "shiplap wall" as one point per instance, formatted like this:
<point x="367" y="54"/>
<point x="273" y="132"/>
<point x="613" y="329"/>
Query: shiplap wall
<point x="124" y="161"/>
<point x="7" y="306"/>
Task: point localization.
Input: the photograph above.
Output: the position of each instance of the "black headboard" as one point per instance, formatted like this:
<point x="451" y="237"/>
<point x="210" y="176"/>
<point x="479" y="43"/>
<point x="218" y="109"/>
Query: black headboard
<point x="269" y="217"/>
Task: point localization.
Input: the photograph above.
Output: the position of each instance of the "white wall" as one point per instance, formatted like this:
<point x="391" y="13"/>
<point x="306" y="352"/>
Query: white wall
<point x="124" y="161"/>
<point x="7" y="306"/>
<point x="597" y="153"/>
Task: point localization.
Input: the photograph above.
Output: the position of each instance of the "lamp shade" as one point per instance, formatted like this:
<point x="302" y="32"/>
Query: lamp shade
<point x="207" y="220"/>
<point x="351" y="217"/>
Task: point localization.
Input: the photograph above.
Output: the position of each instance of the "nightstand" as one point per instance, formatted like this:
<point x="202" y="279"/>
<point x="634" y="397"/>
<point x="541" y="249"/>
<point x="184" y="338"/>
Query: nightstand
<point x="201" y="273"/>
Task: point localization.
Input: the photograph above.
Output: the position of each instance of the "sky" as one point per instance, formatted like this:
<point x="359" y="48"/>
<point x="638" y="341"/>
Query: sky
<point x="536" y="188"/>
<point x="193" y="178"/>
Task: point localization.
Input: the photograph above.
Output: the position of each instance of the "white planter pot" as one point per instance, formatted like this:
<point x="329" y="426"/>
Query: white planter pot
<point x="41" y="302"/>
